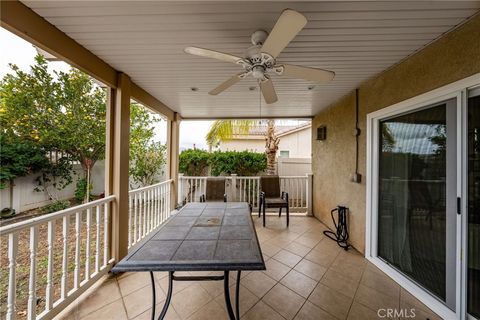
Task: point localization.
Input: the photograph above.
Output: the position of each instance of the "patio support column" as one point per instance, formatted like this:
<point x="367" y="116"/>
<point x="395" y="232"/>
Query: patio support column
<point x="117" y="157"/>
<point x="173" y="140"/>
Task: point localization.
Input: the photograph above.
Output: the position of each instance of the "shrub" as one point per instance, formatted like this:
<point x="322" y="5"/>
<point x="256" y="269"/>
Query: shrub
<point x="243" y="163"/>
<point x="81" y="189"/>
<point x="55" y="206"/>
<point x="194" y="162"/>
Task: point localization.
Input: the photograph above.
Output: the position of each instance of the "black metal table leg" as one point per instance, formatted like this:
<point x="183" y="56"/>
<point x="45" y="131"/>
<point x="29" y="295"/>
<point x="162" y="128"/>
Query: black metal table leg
<point x="154" y="296"/>
<point x="237" y="295"/>
<point x="226" y="289"/>
<point x="167" y="300"/>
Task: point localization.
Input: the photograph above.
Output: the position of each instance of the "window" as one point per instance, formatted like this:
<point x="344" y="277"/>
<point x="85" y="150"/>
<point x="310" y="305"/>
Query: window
<point x="284" y="154"/>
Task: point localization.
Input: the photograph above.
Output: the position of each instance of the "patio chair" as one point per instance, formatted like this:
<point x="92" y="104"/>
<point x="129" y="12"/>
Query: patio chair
<point x="272" y="197"/>
<point x="214" y="191"/>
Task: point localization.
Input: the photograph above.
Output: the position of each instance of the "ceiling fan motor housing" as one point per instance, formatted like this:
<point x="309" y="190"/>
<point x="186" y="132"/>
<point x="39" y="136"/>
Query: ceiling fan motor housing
<point x="259" y="37"/>
<point x="257" y="63"/>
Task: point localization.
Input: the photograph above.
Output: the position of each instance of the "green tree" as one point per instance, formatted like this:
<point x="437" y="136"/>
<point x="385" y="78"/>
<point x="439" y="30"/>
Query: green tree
<point x="147" y="156"/>
<point x="224" y="130"/>
<point x="64" y="112"/>
<point x="147" y="163"/>
<point x="18" y="159"/>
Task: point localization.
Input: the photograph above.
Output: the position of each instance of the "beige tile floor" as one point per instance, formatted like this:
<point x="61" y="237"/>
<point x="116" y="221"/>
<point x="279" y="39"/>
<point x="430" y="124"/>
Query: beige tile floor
<point x="308" y="277"/>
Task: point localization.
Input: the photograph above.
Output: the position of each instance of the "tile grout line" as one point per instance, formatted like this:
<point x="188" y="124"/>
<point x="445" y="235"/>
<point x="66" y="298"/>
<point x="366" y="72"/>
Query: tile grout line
<point x="291" y="268"/>
<point x="356" y="290"/>
<point x="318" y="283"/>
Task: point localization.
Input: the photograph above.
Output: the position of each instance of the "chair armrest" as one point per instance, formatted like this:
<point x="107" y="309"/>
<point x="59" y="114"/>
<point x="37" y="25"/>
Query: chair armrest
<point x="285" y="196"/>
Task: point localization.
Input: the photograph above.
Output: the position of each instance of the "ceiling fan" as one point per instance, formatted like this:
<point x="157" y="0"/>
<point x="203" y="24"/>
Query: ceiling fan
<point x="260" y="59"/>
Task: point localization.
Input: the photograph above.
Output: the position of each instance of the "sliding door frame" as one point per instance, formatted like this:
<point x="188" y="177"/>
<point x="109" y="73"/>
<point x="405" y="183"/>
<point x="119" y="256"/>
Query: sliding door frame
<point x="455" y="90"/>
<point x="464" y="299"/>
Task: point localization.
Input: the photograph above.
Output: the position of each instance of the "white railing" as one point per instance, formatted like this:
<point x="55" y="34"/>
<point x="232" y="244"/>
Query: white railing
<point x="297" y="187"/>
<point x="67" y="251"/>
<point x="191" y="188"/>
<point x="247" y="189"/>
<point x="148" y="208"/>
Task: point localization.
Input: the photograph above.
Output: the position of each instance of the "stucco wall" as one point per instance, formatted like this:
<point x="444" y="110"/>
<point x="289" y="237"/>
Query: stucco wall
<point x="453" y="57"/>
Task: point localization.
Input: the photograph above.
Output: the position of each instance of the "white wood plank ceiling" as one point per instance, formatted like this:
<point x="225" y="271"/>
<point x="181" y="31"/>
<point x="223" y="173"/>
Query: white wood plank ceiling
<point x="356" y="40"/>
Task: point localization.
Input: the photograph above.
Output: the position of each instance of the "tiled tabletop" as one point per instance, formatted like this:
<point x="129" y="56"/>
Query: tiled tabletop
<point x="200" y="237"/>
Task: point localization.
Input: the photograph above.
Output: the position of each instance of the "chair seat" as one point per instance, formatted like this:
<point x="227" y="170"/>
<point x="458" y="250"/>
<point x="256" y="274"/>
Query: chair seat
<point x="275" y="202"/>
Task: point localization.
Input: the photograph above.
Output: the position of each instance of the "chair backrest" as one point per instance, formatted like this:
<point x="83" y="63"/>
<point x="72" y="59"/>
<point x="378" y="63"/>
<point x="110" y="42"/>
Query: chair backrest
<point x="215" y="189"/>
<point x="271" y="186"/>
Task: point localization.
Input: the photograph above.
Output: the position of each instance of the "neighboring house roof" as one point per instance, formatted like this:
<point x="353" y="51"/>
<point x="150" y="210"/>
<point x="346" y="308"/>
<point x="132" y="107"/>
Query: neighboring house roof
<point x="258" y="132"/>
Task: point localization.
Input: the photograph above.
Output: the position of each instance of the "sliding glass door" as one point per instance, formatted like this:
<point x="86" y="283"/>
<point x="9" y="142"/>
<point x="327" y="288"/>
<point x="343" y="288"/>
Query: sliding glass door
<point x="417" y="197"/>
<point x="473" y="222"/>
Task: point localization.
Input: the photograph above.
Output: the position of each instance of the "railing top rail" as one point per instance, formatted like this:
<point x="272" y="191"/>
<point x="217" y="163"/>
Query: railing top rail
<point x="293" y="177"/>
<point x="240" y="177"/>
<point x="149" y="187"/>
<point x="195" y="177"/>
<point x="53" y="216"/>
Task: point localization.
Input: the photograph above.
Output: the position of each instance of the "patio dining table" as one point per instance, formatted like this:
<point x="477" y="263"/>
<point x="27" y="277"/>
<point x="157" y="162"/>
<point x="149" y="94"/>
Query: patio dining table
<point x="212" y="236"/>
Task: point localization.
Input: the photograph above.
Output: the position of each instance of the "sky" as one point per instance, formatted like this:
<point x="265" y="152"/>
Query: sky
<point x="14" y="49"/>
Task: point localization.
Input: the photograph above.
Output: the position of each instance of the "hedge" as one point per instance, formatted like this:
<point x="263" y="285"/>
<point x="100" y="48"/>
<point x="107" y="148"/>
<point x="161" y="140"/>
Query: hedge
<point x="244" y="163"/>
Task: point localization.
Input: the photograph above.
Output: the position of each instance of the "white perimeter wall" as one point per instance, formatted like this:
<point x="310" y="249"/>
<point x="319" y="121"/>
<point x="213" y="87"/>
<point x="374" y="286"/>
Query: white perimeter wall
<point x="26" y="198"/>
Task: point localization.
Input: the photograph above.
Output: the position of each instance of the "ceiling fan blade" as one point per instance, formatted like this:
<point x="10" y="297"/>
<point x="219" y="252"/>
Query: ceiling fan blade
<point x="286" y="28"/>
<point x="268" y="91"/>
<point x="306" y="73"/>
<point x="207" y="53"/>
<point x="227" y="84"/>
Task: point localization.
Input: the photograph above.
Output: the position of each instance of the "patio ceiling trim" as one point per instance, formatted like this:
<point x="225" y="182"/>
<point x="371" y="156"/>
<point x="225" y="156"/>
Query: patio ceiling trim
<point x="22" y="21"/>
<point x="145" y="98"/>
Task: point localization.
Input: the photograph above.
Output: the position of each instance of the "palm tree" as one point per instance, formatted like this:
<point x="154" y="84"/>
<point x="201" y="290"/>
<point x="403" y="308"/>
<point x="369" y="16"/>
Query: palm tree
<point x="222" y="130"/>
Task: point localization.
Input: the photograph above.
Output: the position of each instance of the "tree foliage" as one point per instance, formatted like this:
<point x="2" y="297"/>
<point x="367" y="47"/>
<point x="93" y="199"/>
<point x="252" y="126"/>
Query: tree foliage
<point x="64" y="113"/>
<point x="224" y="130"/>
<point x="148" y="163"/>
<point x="19" y="158"/>
<point x="194" y="162"/>
<point x="242" y="163"/>
<point x="147" y="156"/>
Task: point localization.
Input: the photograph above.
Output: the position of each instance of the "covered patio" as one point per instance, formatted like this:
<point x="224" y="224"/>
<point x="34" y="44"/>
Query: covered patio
<point x="383" y="54"/>
<point x="308" y="277"/>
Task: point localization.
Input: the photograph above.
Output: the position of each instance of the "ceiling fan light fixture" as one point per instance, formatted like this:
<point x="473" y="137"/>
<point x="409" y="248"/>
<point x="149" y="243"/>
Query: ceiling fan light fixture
<point x="258" y="72"/>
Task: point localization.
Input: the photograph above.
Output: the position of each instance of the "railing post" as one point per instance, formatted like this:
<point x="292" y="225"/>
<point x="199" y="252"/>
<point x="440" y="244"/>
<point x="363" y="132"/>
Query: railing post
<point x="180" y="188"/>
<point x="309" y="192"/>
<point x="117" y="157"/>
<point x="173" y="146"/>
<point x="233" y="187"/>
